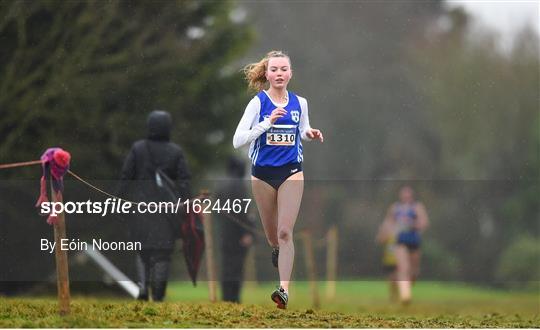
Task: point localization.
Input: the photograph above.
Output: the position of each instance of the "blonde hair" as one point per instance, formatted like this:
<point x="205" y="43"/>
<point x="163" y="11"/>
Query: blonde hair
<point x="255" y="72"/>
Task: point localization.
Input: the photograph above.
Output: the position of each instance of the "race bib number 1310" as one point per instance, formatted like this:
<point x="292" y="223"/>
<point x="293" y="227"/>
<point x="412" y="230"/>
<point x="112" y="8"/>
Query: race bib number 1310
<point x="281" y="135"/>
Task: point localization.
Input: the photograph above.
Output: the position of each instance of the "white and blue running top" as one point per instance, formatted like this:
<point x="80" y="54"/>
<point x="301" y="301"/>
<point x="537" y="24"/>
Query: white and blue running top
<point x="278" y="144"/>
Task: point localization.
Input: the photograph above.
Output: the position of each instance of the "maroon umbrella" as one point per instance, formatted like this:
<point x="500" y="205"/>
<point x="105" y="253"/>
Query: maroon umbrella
<point x="193" y="242"/>
<point x="191" y="227"/>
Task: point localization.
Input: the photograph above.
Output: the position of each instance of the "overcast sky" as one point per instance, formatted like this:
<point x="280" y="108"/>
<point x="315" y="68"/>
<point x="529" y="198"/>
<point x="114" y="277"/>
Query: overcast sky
<point x="506" y="17"/>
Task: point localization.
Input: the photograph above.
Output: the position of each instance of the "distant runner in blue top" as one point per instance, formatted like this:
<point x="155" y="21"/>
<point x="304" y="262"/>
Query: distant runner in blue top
<point x="410" y="219"/>
<point x="274" y="122"/>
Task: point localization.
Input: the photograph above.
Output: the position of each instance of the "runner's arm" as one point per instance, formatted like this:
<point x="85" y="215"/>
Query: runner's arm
<point x="247" y="129"/>
<point x="304" y="119"/>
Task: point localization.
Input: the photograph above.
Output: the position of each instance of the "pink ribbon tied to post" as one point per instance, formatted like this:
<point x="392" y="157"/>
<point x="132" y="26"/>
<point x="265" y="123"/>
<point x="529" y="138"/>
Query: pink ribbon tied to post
<point x="55" y="163"/>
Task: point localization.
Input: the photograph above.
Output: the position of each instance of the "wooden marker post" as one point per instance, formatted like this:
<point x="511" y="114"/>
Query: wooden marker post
<point x="62" y="271"/>
<point x="310" y="266"/>
<point x="331" y="262"/>
<point x="250" y="269"/>
<point x="210" y="261"/>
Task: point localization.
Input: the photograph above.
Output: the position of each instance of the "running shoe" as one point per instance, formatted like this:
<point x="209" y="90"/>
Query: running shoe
<point x="275" y="257"/>
<point x="280" y="297"/>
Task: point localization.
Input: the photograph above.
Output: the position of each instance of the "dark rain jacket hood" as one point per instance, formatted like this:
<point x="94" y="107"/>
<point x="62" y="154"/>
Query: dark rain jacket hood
<point x="159" y="124"/>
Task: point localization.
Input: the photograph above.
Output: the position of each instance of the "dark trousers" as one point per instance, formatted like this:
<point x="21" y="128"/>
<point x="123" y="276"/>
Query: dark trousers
<point x="232" y="273"/>
<point x="153" y="272"/>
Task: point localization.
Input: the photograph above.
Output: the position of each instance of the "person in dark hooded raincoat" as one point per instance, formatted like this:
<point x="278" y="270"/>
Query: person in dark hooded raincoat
<point x="236" y="235"/>
<point x="154" y="231"/>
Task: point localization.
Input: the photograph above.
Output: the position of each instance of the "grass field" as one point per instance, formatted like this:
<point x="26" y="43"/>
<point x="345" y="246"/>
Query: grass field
<point x="357" y="304"/>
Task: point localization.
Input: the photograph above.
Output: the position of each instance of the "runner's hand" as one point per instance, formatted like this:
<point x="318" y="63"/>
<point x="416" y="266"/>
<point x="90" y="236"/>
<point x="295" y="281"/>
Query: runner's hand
<point x="315" y="134"/>
<point x="276" y="114"/>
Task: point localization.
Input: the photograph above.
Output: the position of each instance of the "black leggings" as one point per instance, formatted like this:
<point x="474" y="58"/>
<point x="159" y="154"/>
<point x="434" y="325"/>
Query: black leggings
<point x="153" y="271"/>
